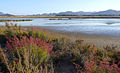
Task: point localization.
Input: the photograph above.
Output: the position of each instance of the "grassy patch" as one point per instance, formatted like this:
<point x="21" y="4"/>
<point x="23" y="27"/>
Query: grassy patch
<point x="15" y="20"/>
<point x="32" y="50"/>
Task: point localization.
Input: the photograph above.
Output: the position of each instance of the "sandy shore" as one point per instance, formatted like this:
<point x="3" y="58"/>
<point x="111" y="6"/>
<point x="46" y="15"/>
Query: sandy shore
<point x="99" y="40"/>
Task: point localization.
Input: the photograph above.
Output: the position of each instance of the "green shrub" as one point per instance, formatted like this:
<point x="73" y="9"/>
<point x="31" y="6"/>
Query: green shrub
<point x="37" y="34"/>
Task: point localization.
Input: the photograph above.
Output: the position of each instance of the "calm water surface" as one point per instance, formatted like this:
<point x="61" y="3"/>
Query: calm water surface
<point x="110" y="27"/>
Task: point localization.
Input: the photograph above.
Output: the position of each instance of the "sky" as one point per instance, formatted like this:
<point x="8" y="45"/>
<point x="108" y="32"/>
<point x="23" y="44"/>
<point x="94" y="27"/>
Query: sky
<point x="23" y="7"/>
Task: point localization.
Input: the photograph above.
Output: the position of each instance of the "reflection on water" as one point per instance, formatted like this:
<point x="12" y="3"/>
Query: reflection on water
<point x="89" y="26"/>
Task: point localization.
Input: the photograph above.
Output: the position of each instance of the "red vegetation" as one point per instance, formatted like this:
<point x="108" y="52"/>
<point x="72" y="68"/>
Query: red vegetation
<point x="23" y="41"/>
<point x="101" y="67"/>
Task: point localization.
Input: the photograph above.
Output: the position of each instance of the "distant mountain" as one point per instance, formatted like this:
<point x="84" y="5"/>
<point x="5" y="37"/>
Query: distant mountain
<point x="3" y="14"/>
<point x="74" y="13"/>
<point x="100" y="13"/>
<point x="82" y="13"/>
<point x="107" y="12"/>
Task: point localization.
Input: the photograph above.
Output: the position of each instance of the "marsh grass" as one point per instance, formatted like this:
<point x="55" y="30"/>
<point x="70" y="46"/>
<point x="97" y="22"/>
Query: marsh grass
<point x="15" y="20"/>
<point x="33" y="50"/>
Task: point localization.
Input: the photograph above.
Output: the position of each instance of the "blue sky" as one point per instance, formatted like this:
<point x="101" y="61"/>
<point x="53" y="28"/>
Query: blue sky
<point x="22" y="7"/>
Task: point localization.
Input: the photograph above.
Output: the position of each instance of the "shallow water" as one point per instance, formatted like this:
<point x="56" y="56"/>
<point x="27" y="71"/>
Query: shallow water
<point x="98" y="26"/>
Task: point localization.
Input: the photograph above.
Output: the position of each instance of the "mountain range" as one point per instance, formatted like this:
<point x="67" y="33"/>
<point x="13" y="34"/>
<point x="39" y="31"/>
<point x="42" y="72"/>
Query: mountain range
<point x="109" y="12"/>
<point x="3" y="14"/>
<point x="82" y="13"/>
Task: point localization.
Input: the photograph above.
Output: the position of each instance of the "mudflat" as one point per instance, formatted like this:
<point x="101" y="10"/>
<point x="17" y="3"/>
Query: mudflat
<point x="99" y="41"/>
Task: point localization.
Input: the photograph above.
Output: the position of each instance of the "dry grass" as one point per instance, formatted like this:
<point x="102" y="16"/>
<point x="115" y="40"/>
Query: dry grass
<point x="15" y="20"/>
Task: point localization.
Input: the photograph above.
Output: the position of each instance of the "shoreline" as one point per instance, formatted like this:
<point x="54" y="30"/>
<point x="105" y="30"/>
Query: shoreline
<point x="59" y="16"/>
<point x="99" y="40"/>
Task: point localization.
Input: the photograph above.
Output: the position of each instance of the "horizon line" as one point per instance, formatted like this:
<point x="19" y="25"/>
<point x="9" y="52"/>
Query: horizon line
<point x="59" y="12"/>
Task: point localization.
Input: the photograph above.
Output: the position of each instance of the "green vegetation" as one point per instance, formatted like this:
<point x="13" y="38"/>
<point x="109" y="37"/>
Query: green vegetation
<point x="52" y="19"/>
<point x="55" y="19"/>
<point x="60" y="19"/>
<point x="16" y="20"/>
<point x="32" y="50"/>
